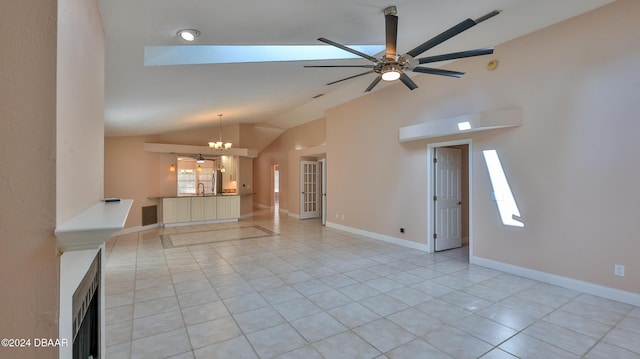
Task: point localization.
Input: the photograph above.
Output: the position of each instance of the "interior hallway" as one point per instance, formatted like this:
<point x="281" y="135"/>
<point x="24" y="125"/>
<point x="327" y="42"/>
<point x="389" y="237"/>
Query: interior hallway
<point x="307" y="291"/>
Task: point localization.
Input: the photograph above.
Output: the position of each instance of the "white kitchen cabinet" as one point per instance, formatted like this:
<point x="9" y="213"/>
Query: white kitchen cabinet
<point x="197" y="209"/>
<point x="170" y="210"/>
<point x="176" y="210"/>
<point x="230" y="164"/>
<point x="228" y="207"/>
<point x="206" y="208"/>
<point x="203" y="208"/>
<point x="184" y="209"/>
<point x="210" y="208"/>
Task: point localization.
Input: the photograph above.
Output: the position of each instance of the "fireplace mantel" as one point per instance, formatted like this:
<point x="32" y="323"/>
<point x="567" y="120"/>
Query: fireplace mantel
<point x="92" y="227"/>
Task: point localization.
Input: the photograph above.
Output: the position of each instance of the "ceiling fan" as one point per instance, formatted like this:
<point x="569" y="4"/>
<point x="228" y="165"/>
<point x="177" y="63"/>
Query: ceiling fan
<point x="392" y="66"/>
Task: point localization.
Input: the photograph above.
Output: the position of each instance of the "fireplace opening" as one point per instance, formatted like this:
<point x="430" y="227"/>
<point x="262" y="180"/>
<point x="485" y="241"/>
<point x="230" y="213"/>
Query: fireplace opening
<point x="86" y="314"/>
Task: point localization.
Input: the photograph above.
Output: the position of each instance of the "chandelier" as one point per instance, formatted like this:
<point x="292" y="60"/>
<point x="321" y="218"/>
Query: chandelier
<point x="220" y="145"/>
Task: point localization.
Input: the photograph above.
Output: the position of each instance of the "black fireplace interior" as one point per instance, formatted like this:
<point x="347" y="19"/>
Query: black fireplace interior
<point x="86" y="311"/>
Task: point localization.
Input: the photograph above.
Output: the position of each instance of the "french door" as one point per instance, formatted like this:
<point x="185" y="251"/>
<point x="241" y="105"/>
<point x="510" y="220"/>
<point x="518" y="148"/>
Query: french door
<point x="310" y="189"/>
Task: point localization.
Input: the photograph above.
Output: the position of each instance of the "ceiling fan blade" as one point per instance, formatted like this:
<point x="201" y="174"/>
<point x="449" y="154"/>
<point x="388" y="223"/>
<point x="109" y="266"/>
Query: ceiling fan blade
<point x="456" y="55"/>
<point x="374" y="83"/>
<point x="432" y="71"/>
<point x="408" y="82"/>
<point x="360" y="66"/>
<point x="446" y="35"/>
<point x="348" y="49"/>
<point x="350" y="77"/>
<point x="391" y="32"/>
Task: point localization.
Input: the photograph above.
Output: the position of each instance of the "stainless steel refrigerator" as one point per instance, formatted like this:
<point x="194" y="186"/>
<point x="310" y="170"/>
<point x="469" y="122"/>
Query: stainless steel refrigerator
<point x="216" y="182"/>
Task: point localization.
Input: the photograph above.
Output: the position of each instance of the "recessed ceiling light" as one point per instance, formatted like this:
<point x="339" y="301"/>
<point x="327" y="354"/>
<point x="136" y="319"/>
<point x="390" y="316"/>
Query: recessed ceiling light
<point x="188" y="34"/>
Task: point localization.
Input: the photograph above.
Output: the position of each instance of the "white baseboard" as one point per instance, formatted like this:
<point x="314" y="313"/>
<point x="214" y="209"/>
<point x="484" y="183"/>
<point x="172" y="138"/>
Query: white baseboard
<point x="294" y="215"/>
<point x="569" y="283"/>
<point x="381" y="237"/>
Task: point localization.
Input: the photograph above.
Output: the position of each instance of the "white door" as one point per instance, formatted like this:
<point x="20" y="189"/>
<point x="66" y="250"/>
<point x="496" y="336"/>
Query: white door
<point x="310" y="190"/>
<point x="447" y="200"/>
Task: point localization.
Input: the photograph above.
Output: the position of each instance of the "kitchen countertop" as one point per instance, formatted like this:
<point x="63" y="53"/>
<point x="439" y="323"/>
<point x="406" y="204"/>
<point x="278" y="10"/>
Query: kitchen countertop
<point x="193" y="195"/>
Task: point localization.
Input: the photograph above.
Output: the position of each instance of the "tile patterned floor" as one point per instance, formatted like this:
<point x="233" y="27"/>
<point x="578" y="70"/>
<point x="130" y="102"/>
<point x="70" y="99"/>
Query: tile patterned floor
<point x="315" y="292"/>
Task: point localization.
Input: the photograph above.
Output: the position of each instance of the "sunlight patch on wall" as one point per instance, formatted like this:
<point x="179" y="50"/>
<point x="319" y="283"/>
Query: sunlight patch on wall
<point x="509" y="213"/>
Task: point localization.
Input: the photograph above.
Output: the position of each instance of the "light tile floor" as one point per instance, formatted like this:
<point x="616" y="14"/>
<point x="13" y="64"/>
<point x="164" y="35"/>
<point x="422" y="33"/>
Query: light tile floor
<point x="316" y="292"/>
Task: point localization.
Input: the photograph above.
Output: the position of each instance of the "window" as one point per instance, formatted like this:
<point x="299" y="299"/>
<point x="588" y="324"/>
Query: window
<point x="191" y="174"/>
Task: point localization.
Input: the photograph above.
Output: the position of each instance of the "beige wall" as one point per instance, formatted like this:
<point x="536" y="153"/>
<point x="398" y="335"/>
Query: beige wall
<point x="130" y="172"/>
<point x="309" y="135"/>
<point x="245" y="185"/>
<point x="80" y="139"/>
<point x="80" y="111"/>
<point x="51" y="103"/>
<point x="29" y="267"/>
<point x="572" y="166"/>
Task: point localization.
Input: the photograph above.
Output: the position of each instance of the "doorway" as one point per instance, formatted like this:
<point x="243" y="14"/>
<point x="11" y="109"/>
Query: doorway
<point x="449" y="194"/>
<point x="276" y="188"/>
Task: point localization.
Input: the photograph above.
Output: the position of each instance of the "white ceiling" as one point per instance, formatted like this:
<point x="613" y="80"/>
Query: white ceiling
<point x="150" y="100"/>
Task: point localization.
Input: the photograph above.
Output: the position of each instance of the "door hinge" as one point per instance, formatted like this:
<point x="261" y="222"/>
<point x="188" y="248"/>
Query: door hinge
<point x="435" y="160"/>
<point x="435" y="198"/>
<point x="435" y="236"/>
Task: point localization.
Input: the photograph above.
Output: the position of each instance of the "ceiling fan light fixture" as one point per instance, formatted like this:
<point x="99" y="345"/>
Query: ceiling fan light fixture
<point x="390" y="73"/>
<point x="188" y="34"/>
<point x="200" y="159"/>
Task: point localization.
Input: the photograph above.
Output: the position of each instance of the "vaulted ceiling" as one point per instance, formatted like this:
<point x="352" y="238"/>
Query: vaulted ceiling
<point x="144" y="100"/>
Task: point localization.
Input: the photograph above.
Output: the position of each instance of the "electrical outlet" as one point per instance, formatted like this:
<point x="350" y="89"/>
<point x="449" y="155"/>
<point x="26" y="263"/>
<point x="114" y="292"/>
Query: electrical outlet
<point x="618" y="270"/>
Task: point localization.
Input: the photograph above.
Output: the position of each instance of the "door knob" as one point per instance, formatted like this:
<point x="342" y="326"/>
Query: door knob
<point x="459" y="202"/>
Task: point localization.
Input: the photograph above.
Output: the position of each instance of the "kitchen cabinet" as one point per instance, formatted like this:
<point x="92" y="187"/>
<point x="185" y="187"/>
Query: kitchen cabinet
<point x="201" y="208"/>
<point x="176" y="210"/>
<point x="228" y="207"/>
<point x="170" y="210"/>
<point x="184" y="209"/>
<point x="230" y="164"/>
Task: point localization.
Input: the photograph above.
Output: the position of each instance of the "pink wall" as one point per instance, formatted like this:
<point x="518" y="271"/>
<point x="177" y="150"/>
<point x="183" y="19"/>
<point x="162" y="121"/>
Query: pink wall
<point x="130" y="172"/>
<point x="29" y="265"/>
<point x="51" y="145"/>
<point x="309" y="135"/>
<point x="80" y="109"/>
<point x="572" y="165"/>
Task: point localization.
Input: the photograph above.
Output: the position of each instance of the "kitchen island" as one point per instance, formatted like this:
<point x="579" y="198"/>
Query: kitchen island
<point x="189" y="210"/>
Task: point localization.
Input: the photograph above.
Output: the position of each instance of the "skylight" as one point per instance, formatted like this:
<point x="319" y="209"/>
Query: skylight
<point x="463" y="126"/>
<point x="209" y="54"/>
<point x="509" y="213"/>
